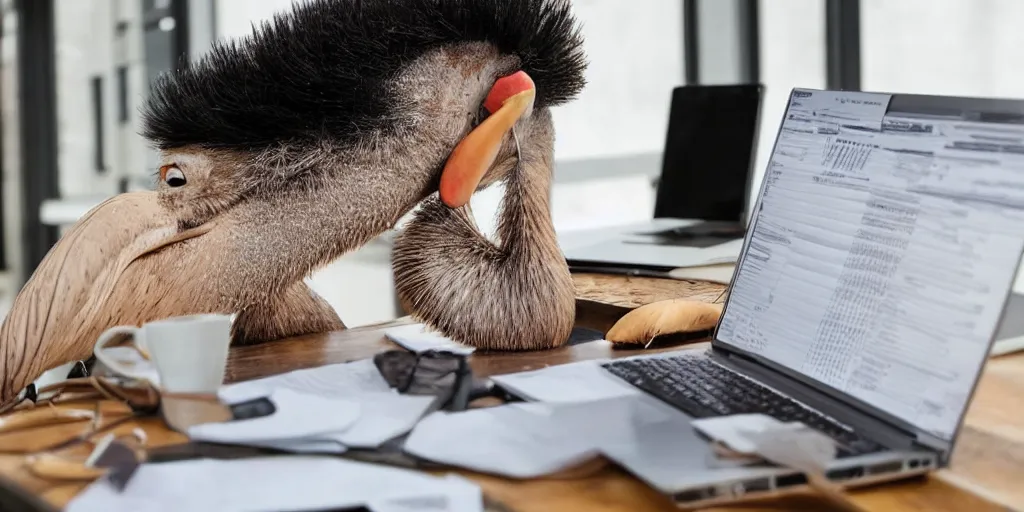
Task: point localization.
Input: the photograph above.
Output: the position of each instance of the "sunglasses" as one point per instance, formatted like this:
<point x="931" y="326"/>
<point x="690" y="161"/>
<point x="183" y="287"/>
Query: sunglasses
<point x="445" y="375"/>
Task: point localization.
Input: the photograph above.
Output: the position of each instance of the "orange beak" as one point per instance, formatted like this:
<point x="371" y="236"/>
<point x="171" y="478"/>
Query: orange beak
<point x="510" y="98"/>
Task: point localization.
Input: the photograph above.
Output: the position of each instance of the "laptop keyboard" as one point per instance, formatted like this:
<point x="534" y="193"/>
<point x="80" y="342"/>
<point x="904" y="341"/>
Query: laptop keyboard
<point x="702" y="388"/>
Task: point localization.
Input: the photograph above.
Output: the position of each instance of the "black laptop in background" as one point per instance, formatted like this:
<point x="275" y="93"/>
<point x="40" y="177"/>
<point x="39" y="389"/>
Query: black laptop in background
<point x="704" y="186"/>
<point x="707" y="168"/>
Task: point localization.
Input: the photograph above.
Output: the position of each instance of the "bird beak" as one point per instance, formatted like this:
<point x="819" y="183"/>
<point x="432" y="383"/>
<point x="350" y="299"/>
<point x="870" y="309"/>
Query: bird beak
<point x="509" y="99"/>
<point x="58" y="314"/>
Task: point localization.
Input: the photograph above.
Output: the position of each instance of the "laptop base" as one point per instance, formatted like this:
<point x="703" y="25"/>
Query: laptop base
<point x="701" y="388"/>
<point x="692" y="483"/>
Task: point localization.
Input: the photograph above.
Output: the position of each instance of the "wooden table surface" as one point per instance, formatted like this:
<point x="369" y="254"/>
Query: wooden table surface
<point x="986" y="474"/>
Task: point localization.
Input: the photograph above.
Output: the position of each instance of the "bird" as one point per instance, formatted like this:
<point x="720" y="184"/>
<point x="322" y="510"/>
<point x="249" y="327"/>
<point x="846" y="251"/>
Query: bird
<point x="283" y="150"/>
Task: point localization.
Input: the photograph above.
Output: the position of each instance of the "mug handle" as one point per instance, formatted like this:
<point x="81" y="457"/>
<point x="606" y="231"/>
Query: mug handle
<point x="109" y="335"/>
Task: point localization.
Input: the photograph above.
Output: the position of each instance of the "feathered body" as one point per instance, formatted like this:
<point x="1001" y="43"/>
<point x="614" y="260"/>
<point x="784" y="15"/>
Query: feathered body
<point x="286" y="149"/>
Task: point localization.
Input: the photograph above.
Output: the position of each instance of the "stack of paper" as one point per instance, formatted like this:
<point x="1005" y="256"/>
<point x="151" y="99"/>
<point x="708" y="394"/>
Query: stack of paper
<point x="322" y="410"/>
<point x="574" y="382"/>
<point x="277" y="484"/>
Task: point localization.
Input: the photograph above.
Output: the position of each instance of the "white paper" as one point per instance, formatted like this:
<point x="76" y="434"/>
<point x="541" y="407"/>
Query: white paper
<point x="294" y="483"/>
<point x="384" y="416"/>
<point x="735" y="430"/>
<point x="671" y="456"/>
<point x="861" y="109"/>
<point x="794" y="445"/>
<point x="525" y="440"/>
<point x="462" y="494"/>
<point x="574" y="382"/>
<point x="1007" y="346"/>
<point x="583" y="382"/>
<point x="297" y="415"/>
<point x="331" y="381"/>
<point x="516" y="440"/>
<point x="418" y="338"/>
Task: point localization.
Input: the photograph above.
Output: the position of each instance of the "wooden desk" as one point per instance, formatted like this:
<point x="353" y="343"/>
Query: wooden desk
<point x="987" y="468"/>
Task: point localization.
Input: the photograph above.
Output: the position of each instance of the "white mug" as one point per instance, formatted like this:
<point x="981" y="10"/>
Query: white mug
<point x="190" y="352"/>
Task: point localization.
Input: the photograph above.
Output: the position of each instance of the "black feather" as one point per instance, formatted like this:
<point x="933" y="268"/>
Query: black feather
<point x="321" y="70"/>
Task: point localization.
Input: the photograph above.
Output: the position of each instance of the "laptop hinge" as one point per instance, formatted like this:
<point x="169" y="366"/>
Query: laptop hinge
<point x="926" y="440"/>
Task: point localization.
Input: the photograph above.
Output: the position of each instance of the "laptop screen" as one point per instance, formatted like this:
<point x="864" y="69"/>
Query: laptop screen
<point x="883" y="248"/>
<point x="709" y="150"/>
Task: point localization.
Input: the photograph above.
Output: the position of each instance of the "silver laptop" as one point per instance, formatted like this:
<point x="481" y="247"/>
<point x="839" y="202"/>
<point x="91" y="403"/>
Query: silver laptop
<point x="702" y="203"/>
<point x="882" y="250"/>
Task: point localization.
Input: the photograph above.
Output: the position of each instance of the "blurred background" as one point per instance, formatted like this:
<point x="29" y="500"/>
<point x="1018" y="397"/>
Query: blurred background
<point x="75" y="72"/>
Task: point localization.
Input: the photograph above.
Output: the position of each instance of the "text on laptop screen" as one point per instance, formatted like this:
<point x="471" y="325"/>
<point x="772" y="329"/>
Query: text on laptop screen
<point x="881" y="252"/>
<point x="708" y="155"/>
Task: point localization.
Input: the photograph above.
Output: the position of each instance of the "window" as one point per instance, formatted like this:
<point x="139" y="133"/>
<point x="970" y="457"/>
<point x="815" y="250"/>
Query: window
<point x="792" y="55"/>
<point x="635" y="50"/>
<point x="948" y="47"/>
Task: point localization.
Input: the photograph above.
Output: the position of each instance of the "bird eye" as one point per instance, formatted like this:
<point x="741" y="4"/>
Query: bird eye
<point x="172" y="175"/>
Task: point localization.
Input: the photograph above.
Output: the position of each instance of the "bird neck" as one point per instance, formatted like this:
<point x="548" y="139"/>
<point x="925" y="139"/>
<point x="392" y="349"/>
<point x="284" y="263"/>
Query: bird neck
<point x="525" y="227"/>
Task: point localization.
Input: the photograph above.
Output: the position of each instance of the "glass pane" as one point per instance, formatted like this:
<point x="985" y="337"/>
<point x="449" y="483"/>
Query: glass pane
<point x="792" y="55"/>
<point x="635" y="51"/>
<point x="952" y="47"/>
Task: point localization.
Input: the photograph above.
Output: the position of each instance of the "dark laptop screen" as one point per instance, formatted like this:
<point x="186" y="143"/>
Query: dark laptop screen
<point x="712" y="132"/>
